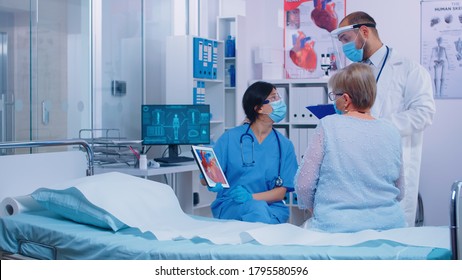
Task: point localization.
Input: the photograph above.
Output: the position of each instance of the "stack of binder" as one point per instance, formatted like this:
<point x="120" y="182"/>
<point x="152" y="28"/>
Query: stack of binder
<point x="205" y="62"/>
<point x="199" y="92"/>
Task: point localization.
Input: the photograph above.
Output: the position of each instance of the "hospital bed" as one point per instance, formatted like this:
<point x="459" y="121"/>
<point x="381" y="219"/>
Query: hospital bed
<point x="44" y="233"/>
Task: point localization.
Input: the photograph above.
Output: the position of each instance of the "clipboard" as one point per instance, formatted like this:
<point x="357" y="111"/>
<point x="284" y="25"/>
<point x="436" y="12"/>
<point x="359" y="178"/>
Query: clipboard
<point x="209" y="166"/>
<point x="322" y="110"/>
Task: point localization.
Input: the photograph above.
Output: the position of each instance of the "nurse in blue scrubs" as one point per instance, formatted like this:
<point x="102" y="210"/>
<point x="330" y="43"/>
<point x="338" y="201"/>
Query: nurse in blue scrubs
<point x="258" y="161"/>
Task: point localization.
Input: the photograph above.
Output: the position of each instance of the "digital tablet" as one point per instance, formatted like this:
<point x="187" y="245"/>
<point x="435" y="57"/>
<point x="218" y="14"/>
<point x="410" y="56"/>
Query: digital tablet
<point x="209" y="166"/>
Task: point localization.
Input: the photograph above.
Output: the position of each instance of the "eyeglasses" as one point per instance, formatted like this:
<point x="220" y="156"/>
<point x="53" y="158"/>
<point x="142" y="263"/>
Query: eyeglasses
<point x="272" y="98"/>
<point x="334" y="96"/>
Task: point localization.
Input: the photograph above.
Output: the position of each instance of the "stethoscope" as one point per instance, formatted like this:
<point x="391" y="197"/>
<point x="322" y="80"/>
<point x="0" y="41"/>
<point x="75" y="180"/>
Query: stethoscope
<point x="279" y="182"/>
<point x="383" y="65"/>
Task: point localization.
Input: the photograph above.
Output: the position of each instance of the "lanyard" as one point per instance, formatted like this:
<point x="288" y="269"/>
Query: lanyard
<point x="383" y="64"/>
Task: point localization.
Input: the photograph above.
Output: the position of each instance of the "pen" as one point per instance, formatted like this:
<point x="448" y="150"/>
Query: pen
<point x="135" y="152"/>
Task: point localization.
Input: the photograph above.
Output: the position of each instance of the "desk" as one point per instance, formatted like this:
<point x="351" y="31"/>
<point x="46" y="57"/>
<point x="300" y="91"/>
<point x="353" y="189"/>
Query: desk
<point x="181" y="179"/>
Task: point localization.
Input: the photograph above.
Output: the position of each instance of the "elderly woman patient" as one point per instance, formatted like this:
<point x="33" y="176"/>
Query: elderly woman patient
<point x="351" y="174"/>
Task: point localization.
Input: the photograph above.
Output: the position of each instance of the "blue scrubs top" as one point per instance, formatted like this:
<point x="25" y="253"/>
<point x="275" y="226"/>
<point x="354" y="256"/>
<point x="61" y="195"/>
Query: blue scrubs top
<point x="256" y="173"/>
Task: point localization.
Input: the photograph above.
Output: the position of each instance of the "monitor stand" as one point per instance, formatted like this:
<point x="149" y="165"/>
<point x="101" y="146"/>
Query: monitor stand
<point x="173" y="157"/>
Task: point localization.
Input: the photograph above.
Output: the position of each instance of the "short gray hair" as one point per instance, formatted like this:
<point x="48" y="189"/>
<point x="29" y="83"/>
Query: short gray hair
<point x="358" y="81"/>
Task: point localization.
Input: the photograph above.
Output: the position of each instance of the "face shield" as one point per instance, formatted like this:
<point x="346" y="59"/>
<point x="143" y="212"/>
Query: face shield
<point x="345" y="39"/>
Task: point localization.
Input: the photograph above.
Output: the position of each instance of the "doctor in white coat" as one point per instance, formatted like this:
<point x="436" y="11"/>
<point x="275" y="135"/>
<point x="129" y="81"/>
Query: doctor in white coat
<point x="404" y="94"/>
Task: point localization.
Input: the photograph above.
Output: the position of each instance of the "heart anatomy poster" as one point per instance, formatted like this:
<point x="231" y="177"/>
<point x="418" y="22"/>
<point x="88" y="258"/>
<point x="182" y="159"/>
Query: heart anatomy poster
<point x="441" y="46"/>
<point x="308" y="50"/>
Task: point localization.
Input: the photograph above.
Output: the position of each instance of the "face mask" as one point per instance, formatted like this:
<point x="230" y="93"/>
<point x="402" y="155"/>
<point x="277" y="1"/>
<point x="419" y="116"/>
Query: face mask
<point x="339" y="112"/>
<point x="279" y="111"/>
<point x="352" y="53"/>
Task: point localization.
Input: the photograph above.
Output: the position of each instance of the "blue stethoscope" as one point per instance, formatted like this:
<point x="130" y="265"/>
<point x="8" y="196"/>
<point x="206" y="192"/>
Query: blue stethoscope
<point x="279" y="182"/>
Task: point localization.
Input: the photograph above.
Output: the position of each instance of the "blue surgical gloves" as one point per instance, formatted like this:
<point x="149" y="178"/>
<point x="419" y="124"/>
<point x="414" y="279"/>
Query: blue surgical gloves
<point x="218" y="187"/>
<point x="239" y="194"/>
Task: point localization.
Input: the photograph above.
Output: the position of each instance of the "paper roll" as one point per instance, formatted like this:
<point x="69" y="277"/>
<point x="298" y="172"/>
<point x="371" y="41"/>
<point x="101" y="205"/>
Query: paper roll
<point x="18" y="204"/>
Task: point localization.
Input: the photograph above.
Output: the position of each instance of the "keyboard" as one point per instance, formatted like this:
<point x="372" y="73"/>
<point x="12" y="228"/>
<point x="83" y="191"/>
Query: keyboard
<point x="173" y="160"/>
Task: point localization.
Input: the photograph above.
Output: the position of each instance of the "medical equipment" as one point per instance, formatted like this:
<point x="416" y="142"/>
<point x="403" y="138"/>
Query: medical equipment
<point x="174" y="125"/>
<point x="36" y="144"/>
<point x="143" y="162"/>
<point x="46" y="235"/>
<point x="76" y="241"/>
<point x="339" y="31"/>
<point x="28" y="233"/>
<point x="456" y="220"/>
<point x="279" y="181"/>
<point x="109" y="147"/>
<point x="209" y="166"/>
<point x="326" y="63"/>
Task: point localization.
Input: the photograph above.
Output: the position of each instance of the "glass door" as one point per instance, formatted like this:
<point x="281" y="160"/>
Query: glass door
<point x="60" y="64"/>
<point x="45" y="69"/>
<point x="5" y="111"/>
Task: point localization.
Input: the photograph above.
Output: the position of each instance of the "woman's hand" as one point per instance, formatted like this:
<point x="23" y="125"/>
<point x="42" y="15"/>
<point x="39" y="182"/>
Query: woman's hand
<point x="218" y="187"/>
<point x="239" y="194"/>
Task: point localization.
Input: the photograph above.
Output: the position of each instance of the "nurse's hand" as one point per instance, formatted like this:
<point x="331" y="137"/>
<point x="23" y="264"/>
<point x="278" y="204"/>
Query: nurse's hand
<point x="218" y="187"/>
<point x="239" y="194"/>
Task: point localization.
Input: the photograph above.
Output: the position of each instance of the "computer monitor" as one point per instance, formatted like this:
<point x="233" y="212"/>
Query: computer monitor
<point x="174" y="125"/>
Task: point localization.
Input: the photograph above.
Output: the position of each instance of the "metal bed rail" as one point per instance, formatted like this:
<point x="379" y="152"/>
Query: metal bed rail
<point x="36" y="144"/>
<point x="456" y="219"/>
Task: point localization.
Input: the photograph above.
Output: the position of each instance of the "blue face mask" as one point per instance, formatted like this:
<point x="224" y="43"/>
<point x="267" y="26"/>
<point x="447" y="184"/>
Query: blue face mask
<point x="339" y="112"/>
<point x="352" y="53"/>
<point x="279" y="111"/>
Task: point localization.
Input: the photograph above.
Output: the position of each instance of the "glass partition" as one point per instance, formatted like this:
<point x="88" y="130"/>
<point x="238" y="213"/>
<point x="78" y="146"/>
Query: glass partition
<point x="46" y="77"/>
<point x="118" y="64"/>
<point x="68" y="65"/>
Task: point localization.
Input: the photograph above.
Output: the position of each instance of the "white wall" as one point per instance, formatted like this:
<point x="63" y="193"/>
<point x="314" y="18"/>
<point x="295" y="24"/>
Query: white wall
<point x="398" y="23"/>
<point x="263" y="29"/>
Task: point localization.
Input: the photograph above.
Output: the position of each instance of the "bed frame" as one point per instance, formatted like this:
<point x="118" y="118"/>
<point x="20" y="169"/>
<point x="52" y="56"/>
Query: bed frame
<point x="456" y="220"/>
<point x="39" y="167"/>
<point x="37" y="144"/>
<point x="50" y="143"/>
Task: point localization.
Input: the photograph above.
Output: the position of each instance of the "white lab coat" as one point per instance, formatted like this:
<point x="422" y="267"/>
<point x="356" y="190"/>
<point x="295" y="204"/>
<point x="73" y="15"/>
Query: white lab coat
<point x="405" y="96"/>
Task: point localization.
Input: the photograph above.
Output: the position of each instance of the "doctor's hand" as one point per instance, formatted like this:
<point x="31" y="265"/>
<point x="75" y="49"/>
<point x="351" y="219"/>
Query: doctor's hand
<point x="239" y="194"/>
<point x="218" y="187"/>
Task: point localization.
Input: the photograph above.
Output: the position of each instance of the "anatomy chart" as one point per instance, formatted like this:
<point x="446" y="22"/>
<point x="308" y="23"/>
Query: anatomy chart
<point x="308" y="50"/>
<point x="441" y="47"/>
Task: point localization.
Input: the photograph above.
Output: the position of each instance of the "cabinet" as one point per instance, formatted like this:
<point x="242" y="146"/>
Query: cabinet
<point x="299" y="123"/>
<point x="234" y="27"/>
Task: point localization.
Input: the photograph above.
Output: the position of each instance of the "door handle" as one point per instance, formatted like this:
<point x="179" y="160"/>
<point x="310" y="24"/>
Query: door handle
<point x="45" y="114"/>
